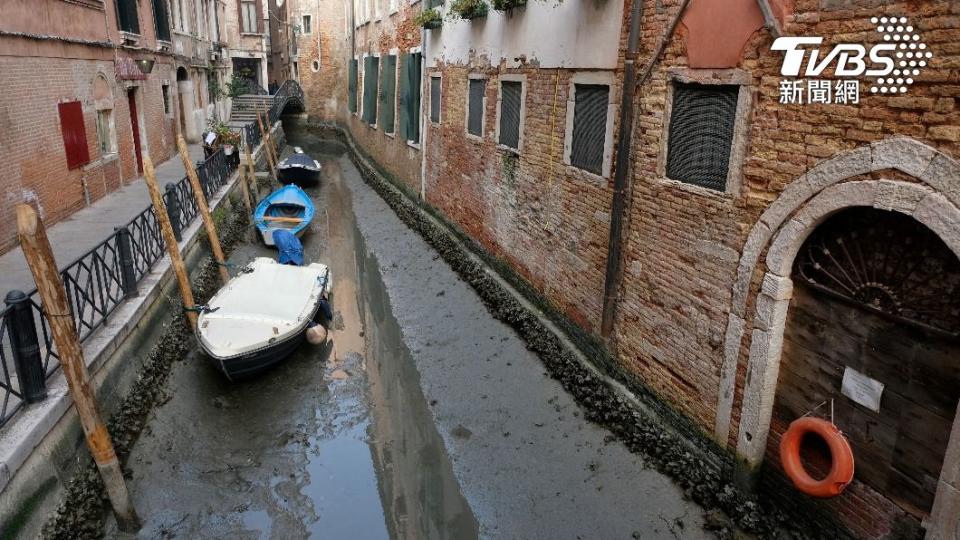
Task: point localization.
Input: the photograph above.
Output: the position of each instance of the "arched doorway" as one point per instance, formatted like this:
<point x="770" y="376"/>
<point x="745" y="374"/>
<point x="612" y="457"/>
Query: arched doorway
<point x="772" y="300"/>
<point x="876" y="300"/>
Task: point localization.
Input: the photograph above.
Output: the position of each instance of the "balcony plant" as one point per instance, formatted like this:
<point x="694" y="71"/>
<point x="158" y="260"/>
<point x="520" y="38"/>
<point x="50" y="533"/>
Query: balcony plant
<point x="429" y="19"/>
<point x="507" y="5"/>
<point x="469" y="9"/>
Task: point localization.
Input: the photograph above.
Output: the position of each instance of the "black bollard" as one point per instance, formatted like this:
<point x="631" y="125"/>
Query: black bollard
<point x="173" y="209"/>
<point x="25" y="347"/>
<point x="128" y="276"/>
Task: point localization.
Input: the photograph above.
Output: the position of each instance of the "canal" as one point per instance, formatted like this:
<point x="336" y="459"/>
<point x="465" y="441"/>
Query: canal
<point x="422" y="416"/>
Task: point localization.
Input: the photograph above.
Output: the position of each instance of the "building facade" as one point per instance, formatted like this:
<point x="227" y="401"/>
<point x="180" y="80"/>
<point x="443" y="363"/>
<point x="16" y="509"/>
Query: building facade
<point x="779" y="238"/>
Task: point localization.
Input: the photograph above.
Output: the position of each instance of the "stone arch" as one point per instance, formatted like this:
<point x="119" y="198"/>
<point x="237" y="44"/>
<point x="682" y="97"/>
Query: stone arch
<point x="935" y="169"/>
<point x="926" y="205"/>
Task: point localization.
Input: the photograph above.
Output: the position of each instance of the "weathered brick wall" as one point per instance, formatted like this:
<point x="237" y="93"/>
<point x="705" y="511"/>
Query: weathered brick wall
<point x="390" y="32"/>
<point x="684" y="244"/>
<point x="34" y="168"/>
<point x="328" y="45"/>
<point x="549" y="220"/>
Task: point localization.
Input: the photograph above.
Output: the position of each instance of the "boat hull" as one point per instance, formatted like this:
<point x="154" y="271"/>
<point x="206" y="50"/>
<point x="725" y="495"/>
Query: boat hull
<point x="251" y="364"/>
<point x="298" y="176"/>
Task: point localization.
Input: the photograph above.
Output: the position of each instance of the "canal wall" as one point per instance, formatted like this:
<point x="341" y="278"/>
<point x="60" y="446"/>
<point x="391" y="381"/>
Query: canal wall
<point x="610" y="397"/>
<point x="43" y="449"/>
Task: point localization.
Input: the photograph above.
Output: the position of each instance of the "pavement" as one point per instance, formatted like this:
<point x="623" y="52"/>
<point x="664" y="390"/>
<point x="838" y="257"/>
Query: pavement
<point x="76" y="234"/>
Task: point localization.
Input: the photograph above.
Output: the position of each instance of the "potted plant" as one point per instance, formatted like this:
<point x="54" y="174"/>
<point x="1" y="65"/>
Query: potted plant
<point x="507" y="5"/>
<point x="429" y="19"/>
<point x="469" y="9"/>
<point x="225" y="137"/>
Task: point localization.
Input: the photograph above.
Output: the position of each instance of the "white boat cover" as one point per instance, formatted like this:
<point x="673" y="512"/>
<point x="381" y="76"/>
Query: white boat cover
<point x="270" y="302"/>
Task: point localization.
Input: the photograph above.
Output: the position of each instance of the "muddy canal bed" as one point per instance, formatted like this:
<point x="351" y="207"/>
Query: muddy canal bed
<point x="422" y="417"/>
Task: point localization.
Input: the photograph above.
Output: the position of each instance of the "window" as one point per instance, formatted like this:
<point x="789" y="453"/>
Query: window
<point x="475" y="106"/>
<point x="74" y="134"/>
<point x="306" y="25"/>
<point x="166" y="99"/>
<point x="105" y="132"/>
<point x="510" y="111"/>
<point x="589" y="127"/>
<point x="376" y="8"/>
<point x="393" y="6"/>
<point x="213" y="86"/>
<point x="435" y="99"/>
<point x="249" y="23"/>
<point x="388" y="93"/>
<point x="352" y="86"/>
<point x="371" y="68"/>
<point x="127" y="16"/>
<point x="410" y="97"/>
<point x="701" y="134"/>
<point x="161" y="20"/>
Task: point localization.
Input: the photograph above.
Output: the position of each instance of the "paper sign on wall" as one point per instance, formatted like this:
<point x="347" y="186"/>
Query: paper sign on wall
<point x="862" y="389"/>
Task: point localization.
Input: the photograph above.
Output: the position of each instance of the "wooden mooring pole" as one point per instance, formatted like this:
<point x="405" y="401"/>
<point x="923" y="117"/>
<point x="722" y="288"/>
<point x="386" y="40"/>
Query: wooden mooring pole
<point x="201" y="199"/>
<point x="36" y="249"/>
<point x="252" y="171"/>
<point x="160" y="210"/>
<point x="265" y="135"/>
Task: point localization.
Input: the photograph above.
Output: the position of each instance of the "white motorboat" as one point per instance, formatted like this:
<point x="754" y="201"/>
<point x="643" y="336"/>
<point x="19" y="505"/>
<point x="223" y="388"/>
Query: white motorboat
<point x="260" y="316"/>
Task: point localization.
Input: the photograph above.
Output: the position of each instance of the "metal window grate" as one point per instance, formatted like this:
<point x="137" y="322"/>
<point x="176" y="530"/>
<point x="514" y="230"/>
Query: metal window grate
<point x="435" y="99"/>
<point x="510" y="94"/>
<point x="475" y="110"/>
<point x="589" y="126"/>
<point x="701" y="133"/>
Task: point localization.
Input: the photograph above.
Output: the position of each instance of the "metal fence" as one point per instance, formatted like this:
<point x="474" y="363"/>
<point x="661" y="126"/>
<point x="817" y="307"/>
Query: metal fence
<point x="96" y="284"/>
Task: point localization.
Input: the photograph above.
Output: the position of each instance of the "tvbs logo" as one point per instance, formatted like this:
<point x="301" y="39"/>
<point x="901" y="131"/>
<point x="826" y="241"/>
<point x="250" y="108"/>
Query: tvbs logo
<point x="893" y="65"/>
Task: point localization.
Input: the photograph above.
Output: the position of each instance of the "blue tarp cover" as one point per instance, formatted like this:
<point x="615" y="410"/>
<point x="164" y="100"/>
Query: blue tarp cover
<point x="289" y="247"/>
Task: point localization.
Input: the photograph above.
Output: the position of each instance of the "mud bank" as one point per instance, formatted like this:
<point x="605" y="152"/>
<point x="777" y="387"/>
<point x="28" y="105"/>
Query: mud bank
<point x="83" y="510"/>
<point x="698" y="475"/>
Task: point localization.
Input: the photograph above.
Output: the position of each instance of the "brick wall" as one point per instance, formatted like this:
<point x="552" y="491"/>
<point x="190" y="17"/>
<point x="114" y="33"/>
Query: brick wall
<point x="328" y="46"/>
<point x="684" y="244"/>
<point x="549" y="220"/>
<point x="34" y="168"/>
<point x="389" y="32"/>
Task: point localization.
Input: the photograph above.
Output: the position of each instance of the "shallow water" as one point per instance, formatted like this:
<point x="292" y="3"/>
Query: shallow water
<point x="422" y="417"/>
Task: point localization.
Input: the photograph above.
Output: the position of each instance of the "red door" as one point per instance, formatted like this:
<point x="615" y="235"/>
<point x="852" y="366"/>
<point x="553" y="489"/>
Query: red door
<point x="132" y="99"/>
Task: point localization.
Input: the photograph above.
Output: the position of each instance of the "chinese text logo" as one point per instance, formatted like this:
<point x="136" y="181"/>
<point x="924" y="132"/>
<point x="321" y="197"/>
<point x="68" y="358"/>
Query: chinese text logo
<point x="891" y="66"/>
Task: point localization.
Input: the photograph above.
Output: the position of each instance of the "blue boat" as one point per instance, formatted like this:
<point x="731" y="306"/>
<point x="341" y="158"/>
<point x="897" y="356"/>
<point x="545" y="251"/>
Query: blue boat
<point x="288" y="208"/>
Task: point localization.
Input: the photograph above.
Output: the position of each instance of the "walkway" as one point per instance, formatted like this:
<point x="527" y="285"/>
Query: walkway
<point x="76" y="234"/>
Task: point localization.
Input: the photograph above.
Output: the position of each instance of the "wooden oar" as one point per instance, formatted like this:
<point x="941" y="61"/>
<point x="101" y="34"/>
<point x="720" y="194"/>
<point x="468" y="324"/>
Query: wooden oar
<point x="283" y="219"/>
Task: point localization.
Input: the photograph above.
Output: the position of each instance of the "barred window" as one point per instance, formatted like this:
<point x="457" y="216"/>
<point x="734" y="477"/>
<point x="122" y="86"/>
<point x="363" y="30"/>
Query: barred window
<point x="701" y="134"/>
<point x="511" y="93"/>
<point x="435" y="99"/>
<point x="589" y="126"/>
<point x="475" y="107"/>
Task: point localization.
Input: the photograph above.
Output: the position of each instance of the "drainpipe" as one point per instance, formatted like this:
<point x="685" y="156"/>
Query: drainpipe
<point x="621" y="179"/>
<point x="420" y="118"/>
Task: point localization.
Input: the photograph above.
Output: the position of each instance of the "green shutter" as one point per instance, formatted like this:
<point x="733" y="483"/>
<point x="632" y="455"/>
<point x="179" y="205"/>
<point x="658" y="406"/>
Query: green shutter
<point x="413" y="110"/>
<point x="352" y="87"/>
<point x="371" y="66"/>
<point x="388" y="93"/>
<point x="404" y="107"/>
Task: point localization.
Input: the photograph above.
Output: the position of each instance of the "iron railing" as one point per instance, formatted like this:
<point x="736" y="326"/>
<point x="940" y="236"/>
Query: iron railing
<point x="96" y="284"/>
<point x="289" y="91"/>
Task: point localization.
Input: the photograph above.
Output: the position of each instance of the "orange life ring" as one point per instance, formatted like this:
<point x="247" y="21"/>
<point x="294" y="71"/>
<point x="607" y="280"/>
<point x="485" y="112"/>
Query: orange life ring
<point x="841" y="468"/>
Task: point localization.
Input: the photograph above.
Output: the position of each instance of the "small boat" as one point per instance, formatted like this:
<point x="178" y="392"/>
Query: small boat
<point x="262" y="315"/>
<point x="299" y="169"/>
<point x="287" y="208"/>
